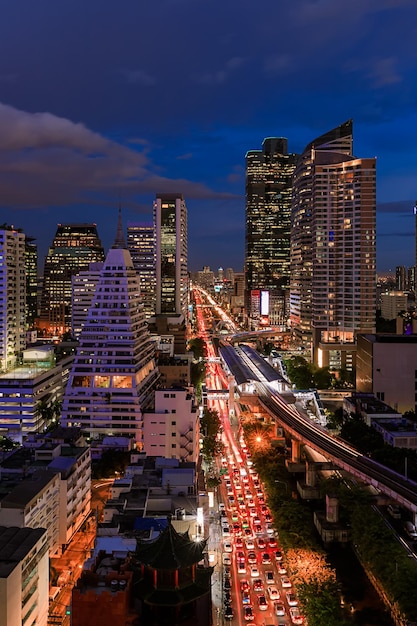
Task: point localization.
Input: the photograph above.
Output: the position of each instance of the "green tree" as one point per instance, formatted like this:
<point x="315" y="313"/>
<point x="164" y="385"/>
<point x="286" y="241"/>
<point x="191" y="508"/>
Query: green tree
<point x="198" y="347"/>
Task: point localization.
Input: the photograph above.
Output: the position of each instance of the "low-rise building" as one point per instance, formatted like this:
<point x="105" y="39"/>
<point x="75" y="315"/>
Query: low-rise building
<point x="386" y="366"/>
<point x="27" y="390"/>
<point x="172" y="429"/>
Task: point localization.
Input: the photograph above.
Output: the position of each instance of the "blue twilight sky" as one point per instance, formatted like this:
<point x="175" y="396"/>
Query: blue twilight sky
<point x="102" y="101"/>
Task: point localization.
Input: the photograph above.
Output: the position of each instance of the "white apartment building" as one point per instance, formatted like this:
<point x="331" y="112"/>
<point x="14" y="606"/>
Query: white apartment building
<point x="172" y="430"/>
<point x="24" y="576"/>
<point x="73" y="465"/>
<point x="12" y="296"/>
<point x="114" y="370"/>
<point x="63" y="512"/>
<point x="83" y="287"/>
<point x="34" y="503"/>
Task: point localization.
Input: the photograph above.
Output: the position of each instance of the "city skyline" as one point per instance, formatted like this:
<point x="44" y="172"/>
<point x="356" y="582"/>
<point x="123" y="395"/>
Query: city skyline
<point x="100" y="107"/>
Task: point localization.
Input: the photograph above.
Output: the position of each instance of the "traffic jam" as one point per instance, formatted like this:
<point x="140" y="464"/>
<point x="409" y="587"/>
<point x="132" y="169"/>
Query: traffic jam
<point x="256" y="584"/>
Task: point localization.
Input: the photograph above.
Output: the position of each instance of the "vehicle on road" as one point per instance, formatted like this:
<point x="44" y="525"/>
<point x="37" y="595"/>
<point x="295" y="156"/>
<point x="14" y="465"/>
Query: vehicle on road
<point x="291" y="598"/>
<point x="285" y="582"/>
<point x="248" y="614"/>
<point x="273" y="592"/>
<point x="262" y="603"/>
<point x="279" y="609"/>
<point x="295" y="615"/>
<point x="269" y="576"/>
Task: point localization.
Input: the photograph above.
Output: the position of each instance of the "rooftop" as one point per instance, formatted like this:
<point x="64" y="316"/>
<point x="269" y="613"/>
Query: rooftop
<point x="15" y="543"/>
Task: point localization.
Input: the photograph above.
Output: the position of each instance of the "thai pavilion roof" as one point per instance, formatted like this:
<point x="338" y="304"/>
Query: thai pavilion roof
<point x="171" y="550"/>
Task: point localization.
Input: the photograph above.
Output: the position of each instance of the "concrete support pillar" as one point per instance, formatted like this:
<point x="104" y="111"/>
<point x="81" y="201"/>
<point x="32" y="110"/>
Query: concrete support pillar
<point x="295" y="450"/>
<point x="332" y="509"/>
<point x="311" y="474"/>
<point x="232" y="395"/>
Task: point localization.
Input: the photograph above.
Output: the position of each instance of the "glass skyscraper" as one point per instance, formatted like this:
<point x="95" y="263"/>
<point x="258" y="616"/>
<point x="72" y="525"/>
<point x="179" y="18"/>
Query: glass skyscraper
<point x="74" y="247"/>
<point x="268" y="217"/>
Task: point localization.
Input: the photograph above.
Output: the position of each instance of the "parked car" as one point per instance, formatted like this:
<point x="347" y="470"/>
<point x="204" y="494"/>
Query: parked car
<point x="226" y="559"/>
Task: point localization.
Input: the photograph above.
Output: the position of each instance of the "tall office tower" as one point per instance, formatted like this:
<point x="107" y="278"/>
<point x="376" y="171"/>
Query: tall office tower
<point x="142" y="247"/>
<point x="74" y="247"/>
<point x="170" y="215"/>
<point x="83" y="288"/>
<point x="401" y="278"/>
<point x="268" y="213"/>
<point x="31" y="267"/>
<point x="114" y="372"/>
<point x="333" y="266"/>
<point x="12" y="296"/>
<point x="411" y="278"/>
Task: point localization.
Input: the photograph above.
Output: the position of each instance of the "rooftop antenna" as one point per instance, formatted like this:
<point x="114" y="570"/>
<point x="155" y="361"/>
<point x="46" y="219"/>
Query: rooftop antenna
<point x="119" y="242"/>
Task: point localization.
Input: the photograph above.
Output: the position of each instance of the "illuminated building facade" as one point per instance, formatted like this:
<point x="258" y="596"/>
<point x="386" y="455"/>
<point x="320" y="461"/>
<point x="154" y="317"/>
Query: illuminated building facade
<point x="114" y="371"/>
<point x="12" y="296"/>
<point x="170" y="216"/>
<point x="333" y="251"/>
<point x="74" y="247"/>
<point x="268" y="216"/>
<point x="31" y="267"/>
<point x="83" y="288"/>
<point x="24" y="576"/>
<point x="142" y="247"/>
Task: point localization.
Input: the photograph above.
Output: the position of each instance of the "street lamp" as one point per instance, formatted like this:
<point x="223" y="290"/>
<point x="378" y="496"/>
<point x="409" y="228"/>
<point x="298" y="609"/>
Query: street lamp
<point x="282" y="482"/>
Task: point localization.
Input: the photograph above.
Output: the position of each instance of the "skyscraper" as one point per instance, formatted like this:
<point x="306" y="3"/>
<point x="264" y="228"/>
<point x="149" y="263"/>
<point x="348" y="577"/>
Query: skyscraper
<point x="333" y="251"/>
<point x="170" y="214"/>
<point x="12" y="296"/>
<point x="268" y="210"/>
<point x="114" y="372"/>
<point x="31" y="268"/>
<point x="74" y="247"/>
<point x="141" y="244"/>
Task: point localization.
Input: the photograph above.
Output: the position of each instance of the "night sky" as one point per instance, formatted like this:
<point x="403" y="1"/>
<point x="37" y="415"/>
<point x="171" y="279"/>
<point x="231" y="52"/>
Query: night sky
<point x="104" y="102"/>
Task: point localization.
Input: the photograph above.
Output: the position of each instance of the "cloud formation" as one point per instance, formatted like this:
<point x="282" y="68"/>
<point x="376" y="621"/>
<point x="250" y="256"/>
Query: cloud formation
<point x="49" y="160"/>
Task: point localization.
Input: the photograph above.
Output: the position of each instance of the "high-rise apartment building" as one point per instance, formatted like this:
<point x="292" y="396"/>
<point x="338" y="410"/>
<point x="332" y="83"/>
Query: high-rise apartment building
<point x="170" y="215"/>
<point x="268" y="217"/>
<point x="401" y="279"/>
<point x="114" y="371"/>
<point x="12" y="296"/>
<point x="74" y="247"/>
<point x="83" y="288"/>
<point x="333" y="251"/>
<point x="141" y="244"/>
<point x="31" y="267"/>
